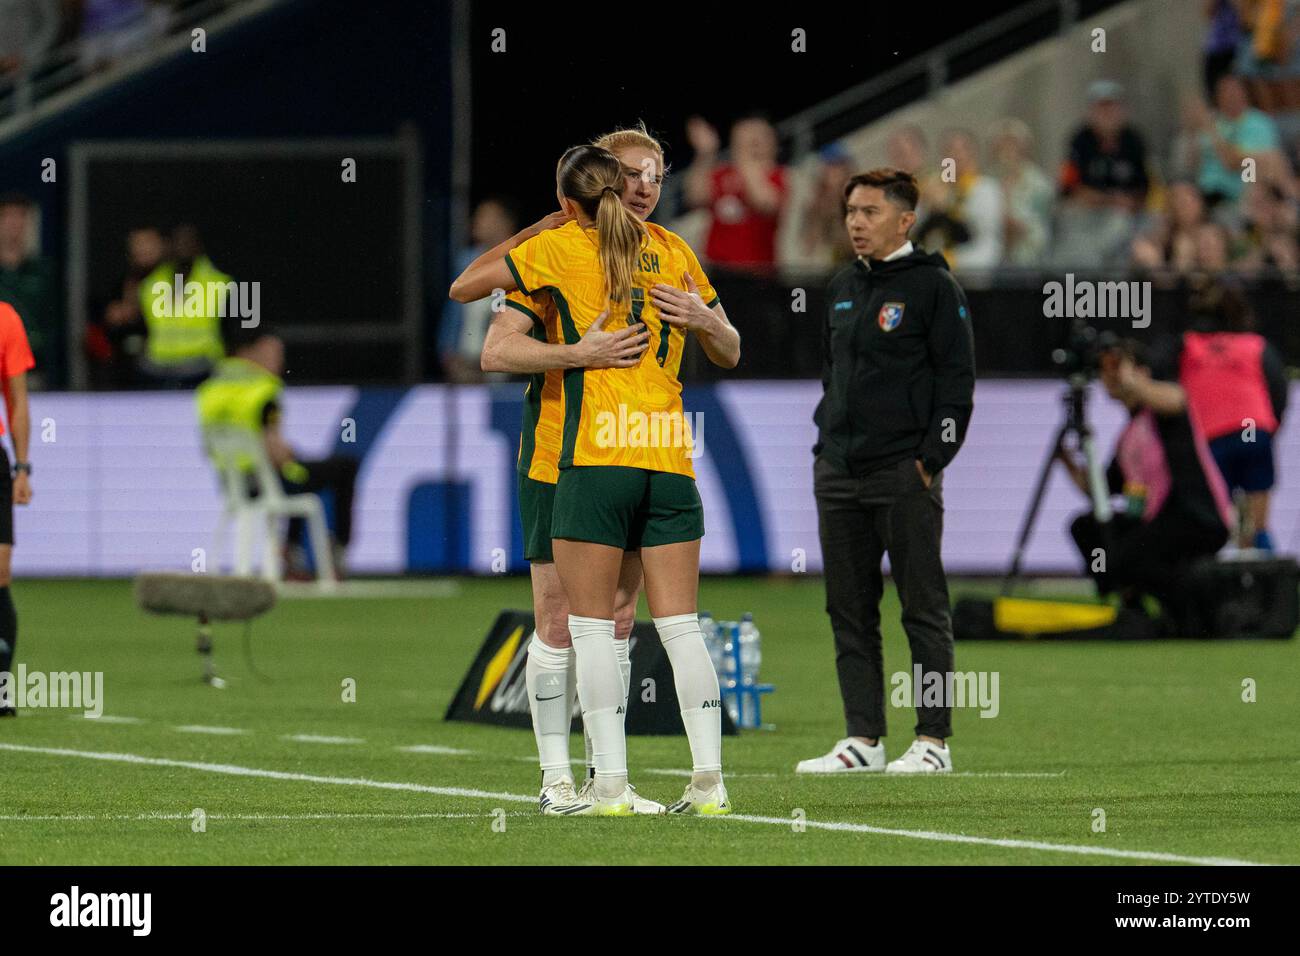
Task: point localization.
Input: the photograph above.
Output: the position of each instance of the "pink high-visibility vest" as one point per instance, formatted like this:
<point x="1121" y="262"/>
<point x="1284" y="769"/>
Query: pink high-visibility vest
<point x="1145" y="466"/>
<point x="1223" y="376"/>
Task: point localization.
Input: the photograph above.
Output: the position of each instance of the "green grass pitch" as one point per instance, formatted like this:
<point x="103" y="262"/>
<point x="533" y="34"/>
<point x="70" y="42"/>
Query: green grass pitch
<point x="1156" y="736"/>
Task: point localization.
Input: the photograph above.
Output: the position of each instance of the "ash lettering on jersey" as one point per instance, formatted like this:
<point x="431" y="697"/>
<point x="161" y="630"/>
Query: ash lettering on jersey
<point x="649" y="262"/>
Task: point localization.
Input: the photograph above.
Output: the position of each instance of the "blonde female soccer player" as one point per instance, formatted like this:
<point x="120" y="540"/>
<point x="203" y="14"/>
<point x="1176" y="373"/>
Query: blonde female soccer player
<point x="621" y="488"/>
<point x="515" y="343"/>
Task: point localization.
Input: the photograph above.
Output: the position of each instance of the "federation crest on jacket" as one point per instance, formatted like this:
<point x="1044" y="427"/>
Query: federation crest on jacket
<point x="891" y="314"/>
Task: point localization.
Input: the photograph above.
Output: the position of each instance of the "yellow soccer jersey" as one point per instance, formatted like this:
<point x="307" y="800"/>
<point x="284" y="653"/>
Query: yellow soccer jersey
<point x="539" y="440"/>
<point x="621" y="416"/>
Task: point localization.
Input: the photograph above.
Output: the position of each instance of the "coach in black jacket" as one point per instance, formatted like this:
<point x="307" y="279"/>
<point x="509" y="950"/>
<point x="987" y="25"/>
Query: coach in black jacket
<point x="899" y="380"/>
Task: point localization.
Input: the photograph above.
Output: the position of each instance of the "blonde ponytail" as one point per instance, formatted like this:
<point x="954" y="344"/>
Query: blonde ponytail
<point x="619" y="235"/>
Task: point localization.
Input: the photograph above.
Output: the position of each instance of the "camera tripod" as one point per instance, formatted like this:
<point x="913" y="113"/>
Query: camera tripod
<point x="1075" y="426"/>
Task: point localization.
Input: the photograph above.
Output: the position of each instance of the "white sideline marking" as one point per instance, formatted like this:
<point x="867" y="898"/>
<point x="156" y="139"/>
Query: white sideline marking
<point x="958" y="773"/>
<point x="236" y="771"/>
<point x="992" y="841"/>
<point x="200" y="729"/>
<point x="982" y="773"/>
<point x="658" y="771"/>
<point x="110" y="719"/>
<point x="321" y="739"/>
<point x="365" y="590"/>
<point x="76" y="817"/>
<point x="665" y="772"/>
<point x="928" y="776"/>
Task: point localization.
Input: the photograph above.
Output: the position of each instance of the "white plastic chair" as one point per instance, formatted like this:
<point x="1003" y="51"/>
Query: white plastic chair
<point x="230" y="447"/>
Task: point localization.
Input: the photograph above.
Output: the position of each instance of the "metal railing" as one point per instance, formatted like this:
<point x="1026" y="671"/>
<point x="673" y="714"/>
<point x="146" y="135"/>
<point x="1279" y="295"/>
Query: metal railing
<point x="69" y="66"/>
<point x="925" y="75"/>
<point x="1032" y="22"/>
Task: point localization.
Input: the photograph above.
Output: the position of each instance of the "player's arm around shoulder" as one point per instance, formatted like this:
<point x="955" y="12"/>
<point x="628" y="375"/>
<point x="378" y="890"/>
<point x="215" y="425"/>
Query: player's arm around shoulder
<point x="501" y="345"/>
<point x="481" y="278"/>
<point x="721" y="340"/>
<point x="510" y="347"/>
<point x="492" y="270"/>
<point x="695" y="306"/>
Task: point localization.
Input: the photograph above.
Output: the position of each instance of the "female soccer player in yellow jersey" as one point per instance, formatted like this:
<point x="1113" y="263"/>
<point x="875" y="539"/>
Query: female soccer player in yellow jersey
<point x="515" y="343"/>
<point x="620" y="489"/>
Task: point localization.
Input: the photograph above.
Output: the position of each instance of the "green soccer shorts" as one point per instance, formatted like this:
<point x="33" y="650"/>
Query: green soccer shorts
<point x="536" y="501"/>
<point x="626" y="508"/>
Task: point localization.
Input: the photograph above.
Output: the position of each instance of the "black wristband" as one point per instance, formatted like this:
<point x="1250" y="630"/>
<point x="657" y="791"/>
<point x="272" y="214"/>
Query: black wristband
<point x="23" y="466"/>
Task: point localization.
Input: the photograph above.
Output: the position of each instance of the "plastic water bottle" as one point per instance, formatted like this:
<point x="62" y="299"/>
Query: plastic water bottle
<point x="728" y="637"/>
<point x="751" y="649"/>
<point x="728" y="677"/>
<point x="712" y="640"/>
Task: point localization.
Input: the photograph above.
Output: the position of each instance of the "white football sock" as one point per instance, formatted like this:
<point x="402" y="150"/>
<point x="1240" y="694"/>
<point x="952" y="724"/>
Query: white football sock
<point x="624" y="652"/>
<point x="600" y="691"/>
<point x="625" y="670"/>
<point x="698" y="694"/>
<point x="586" y="736"/>
<point x="546" y="674"/>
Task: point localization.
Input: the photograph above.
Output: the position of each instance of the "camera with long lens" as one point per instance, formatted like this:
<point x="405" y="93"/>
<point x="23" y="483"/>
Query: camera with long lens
<point x="1080" y="357"/>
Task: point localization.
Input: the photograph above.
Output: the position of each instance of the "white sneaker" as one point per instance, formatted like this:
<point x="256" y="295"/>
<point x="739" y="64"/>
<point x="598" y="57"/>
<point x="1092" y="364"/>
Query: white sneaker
<point x="850" y="755"/>
<point x="923" y="757"/>
<point x="561" y="800"/>
<point x="640" y="805"/>
<point x="705" y="803"/>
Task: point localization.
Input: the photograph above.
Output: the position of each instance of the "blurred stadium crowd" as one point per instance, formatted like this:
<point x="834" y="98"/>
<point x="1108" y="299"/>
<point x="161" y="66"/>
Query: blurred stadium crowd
<point x="1116" y="201"/>
<point x="1219" y="196"/>
<point x="50" y="43"/>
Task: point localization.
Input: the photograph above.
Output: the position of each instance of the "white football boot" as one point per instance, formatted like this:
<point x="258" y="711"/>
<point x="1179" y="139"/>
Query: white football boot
<point x="628" y="803"/>
<point x="712" y="802"/>
<point x="562" y="800"/>
<point x="923" y="757"/>
<point x="640" y="805"/>
<point x="644" y="805"/>
<point x="850" y="755"/>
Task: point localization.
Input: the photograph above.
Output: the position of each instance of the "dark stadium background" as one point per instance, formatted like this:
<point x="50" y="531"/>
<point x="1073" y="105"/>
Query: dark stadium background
<point x="576" y="71"/>
<point x="332" y="68"/>
<point x="355" y="277"/>
<point x="569" y="75"/>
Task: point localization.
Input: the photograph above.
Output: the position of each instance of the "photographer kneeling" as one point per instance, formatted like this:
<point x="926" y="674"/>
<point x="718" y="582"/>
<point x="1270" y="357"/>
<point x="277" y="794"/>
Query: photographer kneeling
<point x="1176" y="504"/>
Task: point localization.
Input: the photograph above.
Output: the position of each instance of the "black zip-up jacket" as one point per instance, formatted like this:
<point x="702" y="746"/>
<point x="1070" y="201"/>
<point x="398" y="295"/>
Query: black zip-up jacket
<point x="898" y="365"/>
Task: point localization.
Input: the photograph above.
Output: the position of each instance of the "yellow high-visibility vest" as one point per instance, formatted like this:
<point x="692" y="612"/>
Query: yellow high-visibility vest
<point x="235" y="395"/>
<point x="176" y="335"/>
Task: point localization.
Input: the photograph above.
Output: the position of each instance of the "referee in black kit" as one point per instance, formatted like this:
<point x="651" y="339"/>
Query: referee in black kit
<point x="899" y="379"/>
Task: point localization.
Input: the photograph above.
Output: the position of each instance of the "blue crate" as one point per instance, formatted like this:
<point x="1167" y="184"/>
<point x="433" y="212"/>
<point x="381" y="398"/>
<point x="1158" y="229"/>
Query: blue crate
<point x="743" y="699"/>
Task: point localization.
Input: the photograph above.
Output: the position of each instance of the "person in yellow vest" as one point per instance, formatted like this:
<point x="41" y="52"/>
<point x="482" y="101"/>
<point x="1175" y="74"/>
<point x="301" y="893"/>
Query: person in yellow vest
<point x="245" y="390"/>
<point x="184" y="331"/>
